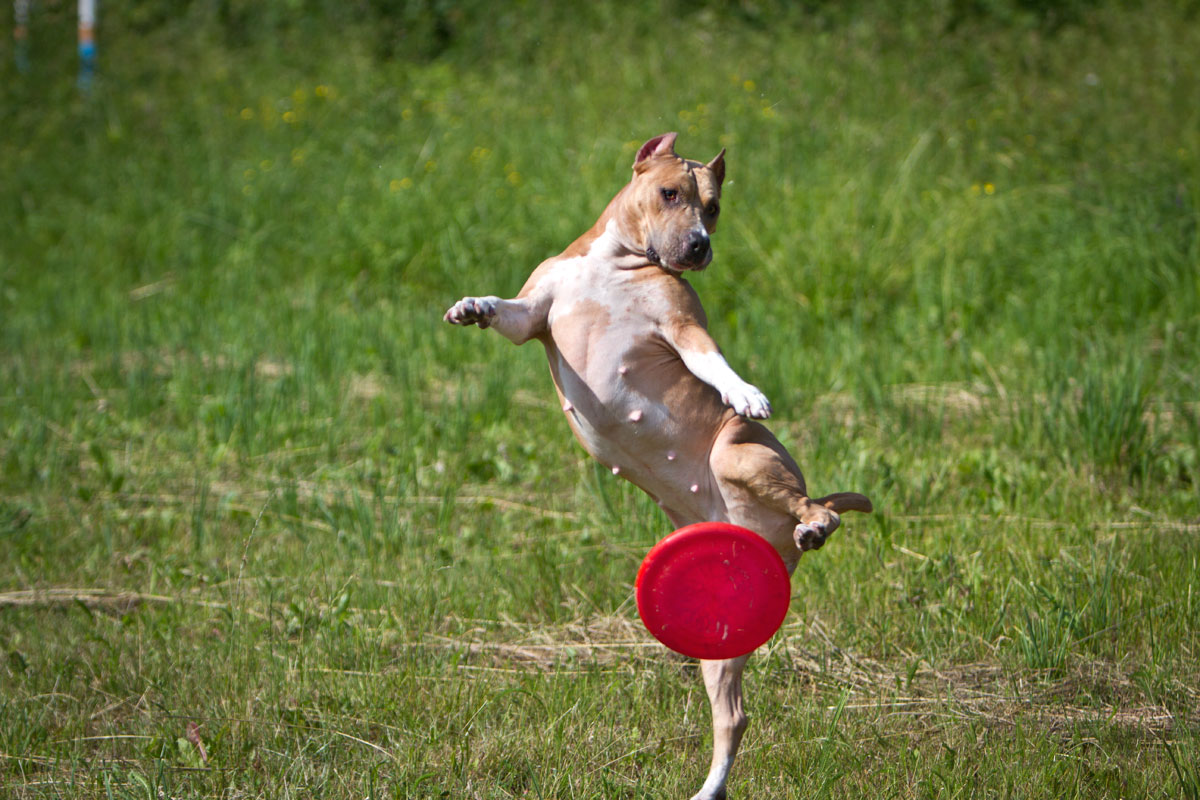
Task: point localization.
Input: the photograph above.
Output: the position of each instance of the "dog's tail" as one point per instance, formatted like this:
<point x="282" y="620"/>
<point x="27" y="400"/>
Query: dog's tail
<point x="846" y="501"/>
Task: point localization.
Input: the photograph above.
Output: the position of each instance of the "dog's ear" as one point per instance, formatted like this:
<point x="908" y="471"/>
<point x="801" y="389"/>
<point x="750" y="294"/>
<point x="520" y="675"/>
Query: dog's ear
<point x="659" y="145"/>
<point x="717" y="165"/>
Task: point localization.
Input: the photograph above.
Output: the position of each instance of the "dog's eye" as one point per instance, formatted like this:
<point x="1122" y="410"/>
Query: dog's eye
<point x="670" y="195"/>
<point x="712" y="209"/>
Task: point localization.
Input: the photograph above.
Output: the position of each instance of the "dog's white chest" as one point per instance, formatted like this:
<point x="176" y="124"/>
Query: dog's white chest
<point x="627" y="394"/>
<point x="603" y="333"/>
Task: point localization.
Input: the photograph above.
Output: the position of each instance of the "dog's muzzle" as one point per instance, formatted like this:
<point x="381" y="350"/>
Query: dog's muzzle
<point x="697" y="249"/>
<point x="694" y="252"/>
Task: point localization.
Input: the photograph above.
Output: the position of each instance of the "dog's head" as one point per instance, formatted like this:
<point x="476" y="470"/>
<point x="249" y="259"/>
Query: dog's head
<point x="674" y="205"/>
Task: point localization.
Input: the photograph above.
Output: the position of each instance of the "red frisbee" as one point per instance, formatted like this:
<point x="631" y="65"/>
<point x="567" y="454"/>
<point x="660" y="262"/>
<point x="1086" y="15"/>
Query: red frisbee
<point x="713" y="590"/>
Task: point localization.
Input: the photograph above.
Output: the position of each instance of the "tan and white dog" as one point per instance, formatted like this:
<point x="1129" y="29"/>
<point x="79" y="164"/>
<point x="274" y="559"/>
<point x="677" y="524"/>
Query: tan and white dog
<point x="647" y="391"/>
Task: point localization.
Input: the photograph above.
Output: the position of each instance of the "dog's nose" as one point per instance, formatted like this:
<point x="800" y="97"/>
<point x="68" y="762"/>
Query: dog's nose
<point x="697" y="246"/>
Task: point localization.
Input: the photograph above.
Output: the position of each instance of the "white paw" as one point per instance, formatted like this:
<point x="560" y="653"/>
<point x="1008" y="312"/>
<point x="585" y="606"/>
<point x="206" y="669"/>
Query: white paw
<point x="472" y="311"/>
<point x="748" y="401"/>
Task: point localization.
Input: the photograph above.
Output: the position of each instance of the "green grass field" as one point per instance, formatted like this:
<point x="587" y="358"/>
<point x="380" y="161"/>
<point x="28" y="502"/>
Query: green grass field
<point x="270" y="528"/>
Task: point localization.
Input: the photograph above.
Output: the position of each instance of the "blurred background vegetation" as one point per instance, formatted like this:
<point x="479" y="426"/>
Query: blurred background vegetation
<point x="255" y="494"/>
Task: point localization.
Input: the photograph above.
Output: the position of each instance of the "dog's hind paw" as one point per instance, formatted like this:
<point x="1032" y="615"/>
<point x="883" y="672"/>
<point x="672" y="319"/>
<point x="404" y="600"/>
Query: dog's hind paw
<point x="812" y="533"/>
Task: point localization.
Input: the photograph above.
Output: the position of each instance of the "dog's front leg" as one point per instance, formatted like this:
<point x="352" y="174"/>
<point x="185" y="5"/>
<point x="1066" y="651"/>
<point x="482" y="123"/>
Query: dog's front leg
<point x="518" y="320"/>
<point x="704" y="360"/>
<point x="723" y="680"/>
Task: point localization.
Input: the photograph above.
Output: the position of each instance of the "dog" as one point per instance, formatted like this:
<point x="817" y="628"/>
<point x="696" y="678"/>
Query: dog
<point x="646" y="390"/>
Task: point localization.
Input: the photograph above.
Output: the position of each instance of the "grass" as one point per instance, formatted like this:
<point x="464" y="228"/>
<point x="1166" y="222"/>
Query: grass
<point x="271" y="529"/>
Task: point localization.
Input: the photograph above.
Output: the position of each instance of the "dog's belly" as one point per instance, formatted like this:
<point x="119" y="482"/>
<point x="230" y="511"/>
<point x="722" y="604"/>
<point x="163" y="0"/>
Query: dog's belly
<point x="636" y="407"/>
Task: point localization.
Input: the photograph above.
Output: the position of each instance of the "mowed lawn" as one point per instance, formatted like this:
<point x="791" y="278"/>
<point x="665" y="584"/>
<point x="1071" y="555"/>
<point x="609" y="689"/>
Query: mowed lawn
<point x="269" y="528"/>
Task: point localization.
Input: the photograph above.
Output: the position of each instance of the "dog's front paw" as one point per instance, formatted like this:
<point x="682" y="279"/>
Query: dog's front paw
<point x="748" y="401"/>
<point x="816" y="527"/>
<point x="472" y="311"/>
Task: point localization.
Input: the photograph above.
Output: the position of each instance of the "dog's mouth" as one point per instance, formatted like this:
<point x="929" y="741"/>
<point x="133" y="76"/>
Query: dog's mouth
<point x="653" y="257"/>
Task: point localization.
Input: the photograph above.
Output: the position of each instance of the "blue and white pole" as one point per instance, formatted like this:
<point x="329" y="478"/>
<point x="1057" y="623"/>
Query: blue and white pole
<point x="87" y="43"/>
<point x="21" y="34"/>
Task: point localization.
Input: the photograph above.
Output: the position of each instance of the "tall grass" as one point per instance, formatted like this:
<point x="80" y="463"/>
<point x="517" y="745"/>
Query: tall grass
<point x="249" y="480"/>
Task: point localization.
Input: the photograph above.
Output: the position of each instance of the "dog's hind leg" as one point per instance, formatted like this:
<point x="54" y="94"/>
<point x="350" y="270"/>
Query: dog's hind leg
<point x="723" y="680"/>
<point x="754" y="465"/>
